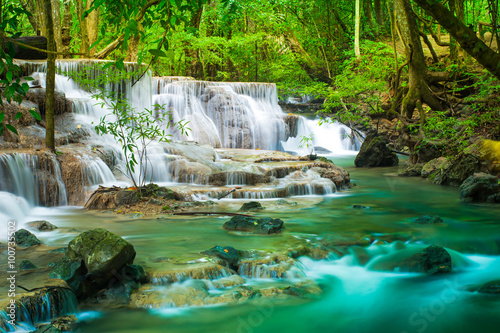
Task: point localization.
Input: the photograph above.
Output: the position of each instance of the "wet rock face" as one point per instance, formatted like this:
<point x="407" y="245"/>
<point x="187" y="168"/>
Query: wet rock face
<point x="428" y="219"/>
<point x="228" y="254"/>
<point x="101" y="251"/>
<point x="480" y="187"/>
<point x="41" y="225"/>
<point x="375" y="153"/>
<point x="435" y="259"/>
<point x="492" y="287"/>
<point x="263" y="226"/>
<point x="24" y="238"/>
<point x="252" y="206"/>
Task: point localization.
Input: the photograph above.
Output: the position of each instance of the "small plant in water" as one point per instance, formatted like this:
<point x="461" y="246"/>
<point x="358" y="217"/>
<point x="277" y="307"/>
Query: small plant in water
<point x="134" y="129"/>
<point x="307" y="142"/>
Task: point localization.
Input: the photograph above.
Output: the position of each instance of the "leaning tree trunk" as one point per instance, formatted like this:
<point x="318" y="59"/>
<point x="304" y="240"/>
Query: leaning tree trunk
<point x="417" y="68"/>
<point x="465" y="36"/>
<point x="50" y="80"/>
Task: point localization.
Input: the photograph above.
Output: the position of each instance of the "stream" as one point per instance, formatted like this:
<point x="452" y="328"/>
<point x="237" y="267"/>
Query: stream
<point x="357" y="297"/>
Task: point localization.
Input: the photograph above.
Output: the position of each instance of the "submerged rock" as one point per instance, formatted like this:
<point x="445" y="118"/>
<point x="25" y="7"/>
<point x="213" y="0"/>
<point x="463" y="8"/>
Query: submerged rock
<point x="228" y="254"/>
<point x="283" y="202"/>
<point x="41" y="225"/>
<point x="24" y="238"/>
<point x="263" y="226"/>
<point x="492" y="287"/>
<point x="429" y="219"/>
<point x="47" y="328"/>
<point x="375" y="153"/>
<point x="251" y="206"/>
<point x="27" y="265"/>
<point x="480" y="187"/>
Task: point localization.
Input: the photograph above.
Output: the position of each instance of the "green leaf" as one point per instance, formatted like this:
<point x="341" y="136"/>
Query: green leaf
<point x="18" y="115"/>
<point x="11" y="128"/>
<point x="35" y="115"/>
<point x="9" y="76"/>
<point x="2" y="116"/>
<point x="157" y="53"/>
<point x="1" y="129"/>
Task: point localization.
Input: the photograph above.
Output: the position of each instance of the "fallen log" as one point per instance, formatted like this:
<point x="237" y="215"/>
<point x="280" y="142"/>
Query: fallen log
<point x="212" y="213"/>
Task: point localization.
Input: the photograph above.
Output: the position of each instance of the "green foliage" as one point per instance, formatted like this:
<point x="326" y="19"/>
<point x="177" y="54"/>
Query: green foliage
<point x="365" y="79"/>
<point x="13" y="89"/>
<point x="307" y="141"/>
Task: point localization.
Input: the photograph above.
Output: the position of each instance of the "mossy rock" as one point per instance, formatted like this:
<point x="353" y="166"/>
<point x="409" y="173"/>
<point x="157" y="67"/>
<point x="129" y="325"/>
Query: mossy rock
<point x="375" y="153"/>
<point x="263" y="226"/>
<point x="252" y="206"/>
<point x="429" y="219"/>
<point x="101" y="251"/>
<point x="24" y="238"/>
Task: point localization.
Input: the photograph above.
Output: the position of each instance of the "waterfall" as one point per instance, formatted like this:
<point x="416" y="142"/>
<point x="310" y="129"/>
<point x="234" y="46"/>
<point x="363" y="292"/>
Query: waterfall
<point x="327" y="138"/>
<point x="37" y="178"/>
<point x="222" y="114"/>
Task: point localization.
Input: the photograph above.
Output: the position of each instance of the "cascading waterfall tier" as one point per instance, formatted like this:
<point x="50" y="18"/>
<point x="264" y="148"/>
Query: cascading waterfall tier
<point x="37" y="178"/>
<point x="223" y="114"/>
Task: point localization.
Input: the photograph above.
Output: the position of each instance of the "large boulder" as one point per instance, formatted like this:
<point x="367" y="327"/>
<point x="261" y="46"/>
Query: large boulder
<point x="480" y="187"/>
<point x="263" y="226"/>
<point x="93" y="259"/>
<point x="375" y="153"/>
<point x="102" y="251"/>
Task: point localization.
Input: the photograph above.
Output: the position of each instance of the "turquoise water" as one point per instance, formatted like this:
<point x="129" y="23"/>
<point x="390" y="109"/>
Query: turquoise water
<point x="355" y="298"/>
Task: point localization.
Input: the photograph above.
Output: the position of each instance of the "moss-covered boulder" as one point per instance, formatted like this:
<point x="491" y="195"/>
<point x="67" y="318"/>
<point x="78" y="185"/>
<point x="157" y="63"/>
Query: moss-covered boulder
<point x="101" y="250"/>
<point x="24" y="238"/>
<point x="375" y="153"/>
<point x="263" y="226"/>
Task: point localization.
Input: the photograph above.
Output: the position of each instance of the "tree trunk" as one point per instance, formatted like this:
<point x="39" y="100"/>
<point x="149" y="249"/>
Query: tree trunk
<point x="368" y="12"/>
<point x="66" y="29"/>
<point x="93" y="27"/>
<point x="417" y="68"/>
<point x="30" y="6"/>
<point x="465" y="36"/>
<point x="357" y="23"/>
<point x="84" y="37"/>
<point x="378" y="12"/>
<point x="56" y="15"/>
<point x="51" y="76"/>
<point x="133" y="48"/>
<point x="194" y="67"/>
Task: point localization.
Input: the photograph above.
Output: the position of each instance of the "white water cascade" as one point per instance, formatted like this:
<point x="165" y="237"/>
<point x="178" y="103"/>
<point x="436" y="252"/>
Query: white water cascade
<point x="223" y="114"/>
